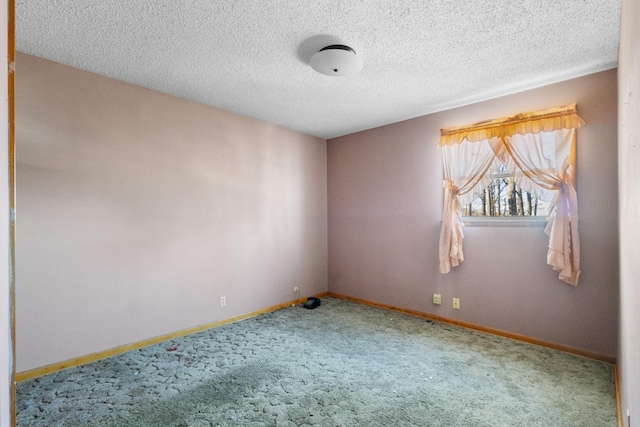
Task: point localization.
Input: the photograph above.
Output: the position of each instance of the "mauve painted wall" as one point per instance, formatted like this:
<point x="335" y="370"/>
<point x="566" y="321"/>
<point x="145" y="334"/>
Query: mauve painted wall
<point x="6" y="301"/>
<point x="629" y="158"/>
<point x="138" y="210"/>
<point x="385" y="206"/>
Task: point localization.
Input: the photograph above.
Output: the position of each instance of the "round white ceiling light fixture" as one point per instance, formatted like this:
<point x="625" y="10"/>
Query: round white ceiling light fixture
<point x="336" y="60"/>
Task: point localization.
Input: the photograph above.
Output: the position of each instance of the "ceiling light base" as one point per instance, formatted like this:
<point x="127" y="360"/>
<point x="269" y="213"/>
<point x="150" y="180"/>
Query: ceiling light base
<point x="336" y="60"/>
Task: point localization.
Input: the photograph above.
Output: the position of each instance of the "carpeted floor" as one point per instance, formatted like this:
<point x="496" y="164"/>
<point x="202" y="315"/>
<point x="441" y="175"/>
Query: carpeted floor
<point x="342" y="364"/>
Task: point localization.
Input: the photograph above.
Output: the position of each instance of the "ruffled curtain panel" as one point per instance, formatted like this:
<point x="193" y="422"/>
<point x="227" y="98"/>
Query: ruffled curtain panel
<point x="538" y="150"/>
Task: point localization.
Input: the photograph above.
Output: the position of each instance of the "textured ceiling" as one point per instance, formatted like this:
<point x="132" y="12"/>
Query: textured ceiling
<point x="252" y="56"/>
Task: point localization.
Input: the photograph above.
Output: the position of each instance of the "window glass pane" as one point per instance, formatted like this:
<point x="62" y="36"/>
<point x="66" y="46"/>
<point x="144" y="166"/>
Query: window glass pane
<point x="504" y="198"/>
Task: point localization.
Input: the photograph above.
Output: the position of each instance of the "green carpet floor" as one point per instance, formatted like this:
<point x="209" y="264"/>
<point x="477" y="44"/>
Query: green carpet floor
<point x="342" y="364"/>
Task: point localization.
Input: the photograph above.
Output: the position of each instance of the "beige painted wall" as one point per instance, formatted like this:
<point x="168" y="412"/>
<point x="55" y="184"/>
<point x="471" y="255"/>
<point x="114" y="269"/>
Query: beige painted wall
<point x="137" y="211"/>
<point x="629" y="175"/>
<point x="385" y="208"/>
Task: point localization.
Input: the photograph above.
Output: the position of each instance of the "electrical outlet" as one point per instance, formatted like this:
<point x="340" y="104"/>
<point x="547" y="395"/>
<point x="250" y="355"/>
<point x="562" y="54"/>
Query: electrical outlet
<point x="223" y="301"/>
<point x="296" y="289"/>
<point x="437" y="299"/>
<point x="456" y="303"/>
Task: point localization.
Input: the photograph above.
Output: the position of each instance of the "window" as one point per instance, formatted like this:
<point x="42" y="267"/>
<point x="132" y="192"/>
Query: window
<point x="503" y="197"/>
<point x="498" y="167"/>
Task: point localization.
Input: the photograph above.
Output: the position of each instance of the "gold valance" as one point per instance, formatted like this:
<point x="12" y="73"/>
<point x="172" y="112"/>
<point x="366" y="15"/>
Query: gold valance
<point x="534" y="122"/>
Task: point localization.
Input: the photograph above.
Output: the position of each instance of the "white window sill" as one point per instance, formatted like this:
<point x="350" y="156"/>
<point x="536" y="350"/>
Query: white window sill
<point x="477" y="221"/>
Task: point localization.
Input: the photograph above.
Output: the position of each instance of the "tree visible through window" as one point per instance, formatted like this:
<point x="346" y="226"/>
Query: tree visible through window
<point x="503" y="197"/>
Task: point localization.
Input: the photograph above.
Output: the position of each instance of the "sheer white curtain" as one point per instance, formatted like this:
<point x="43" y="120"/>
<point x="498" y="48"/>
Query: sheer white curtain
<point x="465" y="177"/>
<point x="538" y="149"/>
